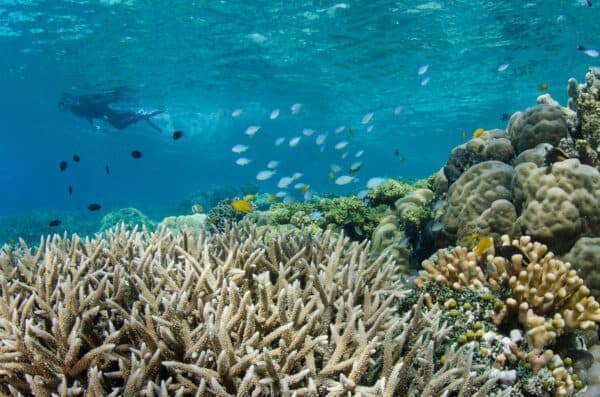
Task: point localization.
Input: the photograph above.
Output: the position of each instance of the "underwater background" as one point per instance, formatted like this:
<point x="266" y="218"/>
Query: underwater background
<point x="431" y="72"/>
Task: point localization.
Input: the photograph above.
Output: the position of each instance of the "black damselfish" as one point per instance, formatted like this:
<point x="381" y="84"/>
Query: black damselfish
<point x="136" y="154"/>
<point x="62" y="165"/>
<point x="94" y="207"/>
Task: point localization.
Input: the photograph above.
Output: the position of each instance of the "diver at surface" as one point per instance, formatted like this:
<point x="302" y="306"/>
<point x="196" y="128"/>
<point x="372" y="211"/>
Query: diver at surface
<point x="98" y="106"/>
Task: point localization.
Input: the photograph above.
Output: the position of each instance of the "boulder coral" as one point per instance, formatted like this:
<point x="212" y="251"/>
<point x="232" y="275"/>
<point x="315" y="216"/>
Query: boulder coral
<point x="468" y="197"/>
<point x="585" y="258"/>
<point x="538" y="124"/>
<point x="559" y="203"/>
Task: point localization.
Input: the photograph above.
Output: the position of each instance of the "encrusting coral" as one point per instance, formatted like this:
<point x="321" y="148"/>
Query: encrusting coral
<point x="222" y="315"/>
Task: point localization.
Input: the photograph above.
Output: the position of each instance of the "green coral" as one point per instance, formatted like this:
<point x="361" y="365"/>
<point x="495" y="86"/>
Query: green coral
<point x="342" y="212"/>
<point x="388" y="192"/>
<point x="130" y="217"/>
<point x="416" y="215"/>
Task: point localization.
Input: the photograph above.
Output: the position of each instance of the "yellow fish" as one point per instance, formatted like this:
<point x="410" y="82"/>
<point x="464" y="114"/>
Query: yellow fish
<point x="543" y="87"/>
<point x="12" y="241"/>
<point x="272" y="198"/>
<point x="305" y="188"/>
<point x="331" y="175"/>
<point x="249" y="197"/>
<point x="241" y="206"/>
<point x="477" y="133"/>
<point x="464" y="136"/>
<point x="471" y="241"/>
<point x="484" y="245"/>
<point x="197" y="209"/>
<point x="351" y="131"/>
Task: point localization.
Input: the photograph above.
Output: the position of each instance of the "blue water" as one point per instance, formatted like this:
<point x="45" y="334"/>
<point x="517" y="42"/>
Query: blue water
<point x="200" y="60"/>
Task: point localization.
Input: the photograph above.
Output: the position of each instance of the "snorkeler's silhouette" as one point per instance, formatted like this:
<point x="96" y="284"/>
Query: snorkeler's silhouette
<point x="98" y="106"/>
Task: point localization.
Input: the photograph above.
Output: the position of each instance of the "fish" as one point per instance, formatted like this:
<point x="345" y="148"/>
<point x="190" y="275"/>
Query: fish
<point x="355" y="167"/>
<point x="351" y="131"/>
<point x="281" y="194"/>
<point x="422" y="69"/>
<point x="425" y="81"/>
<point x="370" y="128"/>
<point x="70" y="190"/>
<point x="273" y="164"/>
<point x="335" y="167"/>
<point x="297" y="175"/>
<point x="398" y="155"/>
<point x="284" y="182"/>
<point x="295" y="108"/>
<point x="344" y="155"/>
<point x="274" y="114"/>
<point x="305" y="189"/>
<point x="359" y="153"/>
<point x="340" y="145"/>
<point x="437" y="226"/>
<point x="366" y="118"/>
<point x="398" y="110"/>
<point x="483" y="245"/>
<point x="591" y="53"/>
<point x="472" y="237"/>
<point x="299" y="185"/>
<point x="503" y="67"/>
<point x="340" y="129"/>
<point x="344" y="179"/>
<point x="264" y="175"/>
<point x="308" y="131"/>
<point x="54" y="222"/>
<point x="589" y="3"/>
<point x="507" y="251"/>
<point x="279" y="141"/>
<point x="463" y="135"/>
<point x="76" y="158"/>
<point x="239" y="148"/>
<point x="271" y="198"/>
<point x="241" y="206"/>
<point x="331" y="175"/>
<point x="315" y="215"/>
<point x="358" y="230"/>
<point x="107" y="170"/>
<point x="543" y="87"/>
<point x="554" y="155"/>
<point x="477" y="133"/>
<point x="62" y="165"/>
<point x="249" y="197"/>
<point x="136" y="154"/>
<point x="177" y="135"/>
<point x="294" y="141"/>
<point x="197" y="209"/>
<point x="375" y="182"/>
<point x="504" y="116"/>
<point x="237" y="112"/>
<point x="94" y="207"/>
<point x="253" y="129"/>
<point x="320" y="139"/>
<point x="307" y="195"/>
<point x="362" y="194"/>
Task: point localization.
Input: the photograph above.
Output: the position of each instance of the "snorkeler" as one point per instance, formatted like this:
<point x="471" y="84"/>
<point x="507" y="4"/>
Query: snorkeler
<point x="98" y="106"/>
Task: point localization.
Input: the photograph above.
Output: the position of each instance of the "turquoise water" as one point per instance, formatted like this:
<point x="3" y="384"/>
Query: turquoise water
<point x="201" y="60"/>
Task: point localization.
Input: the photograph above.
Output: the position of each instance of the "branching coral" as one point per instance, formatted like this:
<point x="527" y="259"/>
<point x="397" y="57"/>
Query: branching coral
<point x="548" y="297"/>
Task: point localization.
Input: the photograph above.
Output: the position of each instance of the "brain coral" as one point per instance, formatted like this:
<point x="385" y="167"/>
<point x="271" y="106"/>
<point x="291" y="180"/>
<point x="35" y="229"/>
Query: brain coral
<point x="497" y="220"/>
<point x="541" y="123"/>
<point x="473" y="193"/>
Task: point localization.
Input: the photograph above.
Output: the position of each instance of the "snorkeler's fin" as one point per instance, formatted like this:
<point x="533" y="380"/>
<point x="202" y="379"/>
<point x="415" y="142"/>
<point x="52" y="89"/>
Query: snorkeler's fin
<point x="157" y="128"/>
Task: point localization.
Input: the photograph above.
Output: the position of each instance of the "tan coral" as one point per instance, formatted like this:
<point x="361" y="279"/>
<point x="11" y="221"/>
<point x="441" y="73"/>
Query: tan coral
<point x="548" y="297"/>
<point x="538" y="124"/>
<point x="585" y="258"/>
<point x="557" y="204"/>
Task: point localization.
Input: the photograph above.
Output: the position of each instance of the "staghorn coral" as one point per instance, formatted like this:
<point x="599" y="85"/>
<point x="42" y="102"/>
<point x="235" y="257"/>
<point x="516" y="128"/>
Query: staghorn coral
<point x="557" y="204"/>
<point x="538" y="124"/>
<point x="228" y="314"/>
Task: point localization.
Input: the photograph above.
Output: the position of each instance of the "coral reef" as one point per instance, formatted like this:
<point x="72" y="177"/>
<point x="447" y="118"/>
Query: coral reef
<point x="542" y="123"/>
<point x="473" y="193"/>
<point x="130" y="217"/>
<point x="195" y="223"/>
<point x="558" y="204"/>
<point x="227" y="314"/>
<point x="388" y="192"/>
<point x="585" y="258"/>
<point x="585" y="100"/>
<point x="224" y="214"/>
